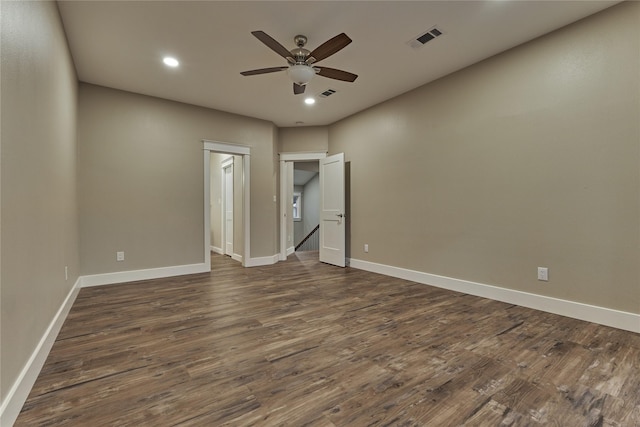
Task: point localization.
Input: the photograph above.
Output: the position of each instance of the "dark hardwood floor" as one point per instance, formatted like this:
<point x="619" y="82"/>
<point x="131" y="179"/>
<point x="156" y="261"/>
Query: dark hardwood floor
<point x="301" y="343"/>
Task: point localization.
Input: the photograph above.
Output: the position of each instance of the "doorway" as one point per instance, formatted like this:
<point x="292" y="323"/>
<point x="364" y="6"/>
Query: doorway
<point x="306" y="206"/>
<point x="288" y="224"/>
<point x="332" y="205"/>
<point x="226" y="229"/>
<point x="215" y="153"/>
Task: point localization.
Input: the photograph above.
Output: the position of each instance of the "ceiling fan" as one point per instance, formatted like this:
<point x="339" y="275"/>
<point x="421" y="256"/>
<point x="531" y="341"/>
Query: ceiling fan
<point x="302" y="68"/>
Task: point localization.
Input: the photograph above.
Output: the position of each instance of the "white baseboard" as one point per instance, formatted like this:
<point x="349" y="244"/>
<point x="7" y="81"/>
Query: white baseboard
<point x="288" y="252"/>
<point x="134" y="275"/>
<point x="265" y="260"/>
<point x="236" y="257"/>
<point x="216" y="250"/>
<point x="590" y="313"/>
<point x="14" y="400"/>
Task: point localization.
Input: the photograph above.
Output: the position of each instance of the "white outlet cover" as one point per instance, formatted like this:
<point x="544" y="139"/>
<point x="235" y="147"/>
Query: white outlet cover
<point x="543" y="274"/>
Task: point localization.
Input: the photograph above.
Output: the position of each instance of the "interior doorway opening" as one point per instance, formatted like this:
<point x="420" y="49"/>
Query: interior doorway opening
<point x="299" y="199"/>
<point x="305" y="211"/>
<point x="227" y="173"/>
<point x="226" y="205"/>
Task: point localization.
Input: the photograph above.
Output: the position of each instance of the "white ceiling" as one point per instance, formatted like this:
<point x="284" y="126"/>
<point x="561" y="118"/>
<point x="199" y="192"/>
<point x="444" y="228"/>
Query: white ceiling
<point x="120" y="44"/>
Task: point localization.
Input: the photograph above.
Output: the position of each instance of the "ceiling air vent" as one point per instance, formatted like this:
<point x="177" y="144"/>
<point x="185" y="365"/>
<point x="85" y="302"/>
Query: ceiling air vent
<point x="424" y="38"/>
<point x="327" y="93"/>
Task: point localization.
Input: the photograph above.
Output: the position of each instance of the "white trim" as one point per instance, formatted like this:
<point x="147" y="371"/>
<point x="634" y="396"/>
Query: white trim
<point x="590" y="313"/>
<point x="291" y="250"/>
<point x="216" y="250"/>
<point x="283" y="210"/>
<point x="236" y="257"/>
<point x="227" y="163"/>
<point x="146" y="274"/>
<point x="207" y="209"/>
<point x="286" y="183"/>
<point x="14" y="400"/>
<point x="302" y="156"/>
<point x="265" y="260"/>
<point x="245" y="152"/>
<point x="246" y="207"/>
<point x="226" y="147"/>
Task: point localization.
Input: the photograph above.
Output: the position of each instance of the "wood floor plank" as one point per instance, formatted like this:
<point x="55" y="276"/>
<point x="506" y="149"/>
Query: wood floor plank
<point x="302" y="343"/>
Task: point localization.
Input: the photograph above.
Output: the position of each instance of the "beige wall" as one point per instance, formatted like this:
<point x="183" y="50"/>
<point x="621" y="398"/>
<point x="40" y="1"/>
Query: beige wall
<point x="303" y="139"/>
<point x="38" y="179"/>
<point x="141" y="179"/>
<point x="530" y="158"/>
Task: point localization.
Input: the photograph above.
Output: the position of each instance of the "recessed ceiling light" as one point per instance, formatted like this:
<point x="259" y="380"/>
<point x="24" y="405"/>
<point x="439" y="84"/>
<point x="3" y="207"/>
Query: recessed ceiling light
<point x="309" y="101"/>
<point x="171" y="62"/>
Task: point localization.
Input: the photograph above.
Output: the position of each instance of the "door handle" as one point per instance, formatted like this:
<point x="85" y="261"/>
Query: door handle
<point x="341" y="215"/>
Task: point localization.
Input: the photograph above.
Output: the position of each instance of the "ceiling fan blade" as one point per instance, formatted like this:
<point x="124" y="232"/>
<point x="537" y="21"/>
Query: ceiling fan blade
<point x="329" y="47"/>
<point x="272" y="44"/>
<point x="298" y="89"/>
<point x="263" y="71"/>
<point x="332" y="73"/>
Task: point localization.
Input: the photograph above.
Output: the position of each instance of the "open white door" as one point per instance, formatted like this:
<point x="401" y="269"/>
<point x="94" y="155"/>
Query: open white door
<point x="332" y="214"/>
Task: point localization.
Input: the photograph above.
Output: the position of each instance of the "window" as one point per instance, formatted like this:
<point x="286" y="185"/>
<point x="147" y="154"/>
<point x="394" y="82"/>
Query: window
<point x="297" y="206"/>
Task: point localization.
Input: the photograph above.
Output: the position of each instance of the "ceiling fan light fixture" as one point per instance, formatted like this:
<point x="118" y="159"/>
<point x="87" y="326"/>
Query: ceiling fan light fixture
<point x="301" y="74"/>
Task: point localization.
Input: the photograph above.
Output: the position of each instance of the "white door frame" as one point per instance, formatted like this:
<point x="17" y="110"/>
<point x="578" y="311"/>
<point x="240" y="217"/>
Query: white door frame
<point x="284" y="184"/>
<point x="226" y="164"/>
<point x="240" y="150"/>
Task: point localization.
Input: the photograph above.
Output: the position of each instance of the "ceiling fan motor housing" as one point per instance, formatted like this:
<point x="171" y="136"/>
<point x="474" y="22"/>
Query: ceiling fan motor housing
<point x="300" y="54"/>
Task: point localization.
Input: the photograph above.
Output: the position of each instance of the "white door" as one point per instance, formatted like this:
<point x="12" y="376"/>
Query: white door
<point x="228" y="209"/>
<point x="332" y="214"/>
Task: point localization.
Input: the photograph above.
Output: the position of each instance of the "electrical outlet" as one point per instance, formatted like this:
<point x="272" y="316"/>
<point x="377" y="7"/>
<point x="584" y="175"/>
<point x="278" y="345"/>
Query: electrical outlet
<point x="543" y="274"/>
<point x="66" y="273"/>
<point x="120" y="256"/>
<point x="366" y="247"/>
